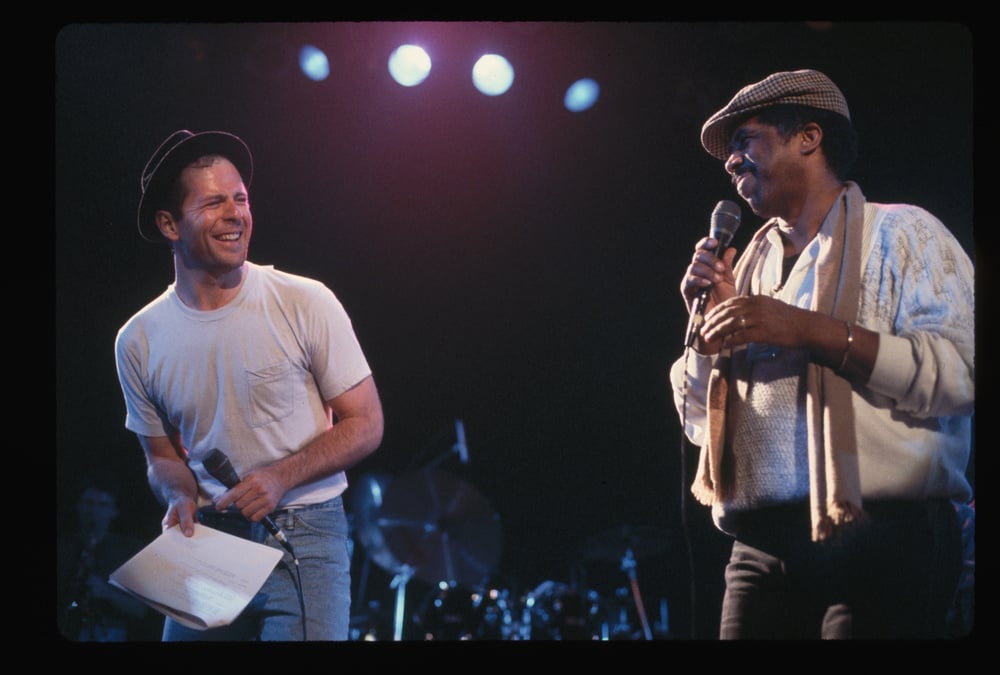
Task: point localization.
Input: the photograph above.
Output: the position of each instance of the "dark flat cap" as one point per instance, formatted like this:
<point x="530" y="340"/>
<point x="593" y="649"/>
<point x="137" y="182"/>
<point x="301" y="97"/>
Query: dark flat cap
<point x="180" y="149"/>
<point x="802" y="87"/>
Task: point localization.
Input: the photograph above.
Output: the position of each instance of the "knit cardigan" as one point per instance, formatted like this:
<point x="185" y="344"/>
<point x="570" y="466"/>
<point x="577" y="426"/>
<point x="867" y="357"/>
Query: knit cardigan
<point x="834" y="479"/>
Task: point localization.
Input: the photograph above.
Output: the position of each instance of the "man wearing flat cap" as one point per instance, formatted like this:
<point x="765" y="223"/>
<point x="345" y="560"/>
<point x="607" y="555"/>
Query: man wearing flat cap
<point x="830" y="385"/>
<point x="248" y="391"/>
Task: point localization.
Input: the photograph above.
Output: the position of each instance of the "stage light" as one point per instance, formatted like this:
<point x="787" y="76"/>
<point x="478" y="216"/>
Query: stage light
<point x="314" y="63"/>
<point x="582" y="95"/>
<point x="409" y="65"/>
<point x="492" y="75"/>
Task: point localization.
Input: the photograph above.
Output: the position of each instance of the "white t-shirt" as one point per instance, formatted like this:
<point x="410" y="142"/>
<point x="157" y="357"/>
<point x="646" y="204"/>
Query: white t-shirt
<point x="249" y="378"/>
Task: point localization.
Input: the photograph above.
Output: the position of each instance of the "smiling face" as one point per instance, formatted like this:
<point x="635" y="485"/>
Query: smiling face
<point x="212" y="231"/>
<point x="766" y="169"/>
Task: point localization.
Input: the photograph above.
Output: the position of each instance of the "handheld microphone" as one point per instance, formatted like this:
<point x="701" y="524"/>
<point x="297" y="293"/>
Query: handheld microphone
<point x="219" y="466"/>
<point x="725" y="221"/>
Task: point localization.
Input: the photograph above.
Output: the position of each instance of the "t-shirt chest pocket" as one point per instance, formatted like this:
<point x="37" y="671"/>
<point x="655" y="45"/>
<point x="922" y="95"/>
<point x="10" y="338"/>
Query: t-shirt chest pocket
<point x="271" y="393"/>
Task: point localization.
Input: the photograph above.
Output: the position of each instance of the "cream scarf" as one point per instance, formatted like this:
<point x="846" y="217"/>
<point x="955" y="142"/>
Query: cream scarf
<point x="834" y="481"/>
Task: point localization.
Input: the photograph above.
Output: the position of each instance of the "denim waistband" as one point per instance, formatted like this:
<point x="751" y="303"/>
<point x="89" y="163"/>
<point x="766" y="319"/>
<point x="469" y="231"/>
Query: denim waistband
<point x="233" y="522"/>
<point x="335" y="501"/>
<point x="211" y="511"/>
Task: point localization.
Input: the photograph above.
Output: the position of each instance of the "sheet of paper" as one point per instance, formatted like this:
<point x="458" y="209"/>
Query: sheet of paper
<point x="203" y="581"/>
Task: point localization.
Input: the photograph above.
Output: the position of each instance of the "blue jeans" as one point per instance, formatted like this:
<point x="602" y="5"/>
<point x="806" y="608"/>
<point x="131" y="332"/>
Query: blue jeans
<point x="893" y="578"/>
<point x="319" y="536"/>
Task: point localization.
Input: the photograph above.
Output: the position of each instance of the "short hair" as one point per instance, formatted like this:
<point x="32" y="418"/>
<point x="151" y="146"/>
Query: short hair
<point x="175" y="192"/>
<point x="840" y="139"/>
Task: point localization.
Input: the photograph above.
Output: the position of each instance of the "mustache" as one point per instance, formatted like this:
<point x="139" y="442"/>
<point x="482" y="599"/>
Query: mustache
<point x="748" y="165"/>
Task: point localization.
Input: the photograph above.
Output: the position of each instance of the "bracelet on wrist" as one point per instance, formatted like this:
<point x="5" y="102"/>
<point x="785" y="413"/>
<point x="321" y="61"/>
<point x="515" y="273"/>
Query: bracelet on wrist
<point x="847" y="348"/>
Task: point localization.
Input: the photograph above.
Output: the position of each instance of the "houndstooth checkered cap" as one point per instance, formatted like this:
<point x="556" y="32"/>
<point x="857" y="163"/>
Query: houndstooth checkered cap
<point x="802" y="87"/>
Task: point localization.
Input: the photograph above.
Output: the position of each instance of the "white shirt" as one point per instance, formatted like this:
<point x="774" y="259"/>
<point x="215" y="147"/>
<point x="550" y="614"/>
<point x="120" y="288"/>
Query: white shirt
<point x="249" y="378"/>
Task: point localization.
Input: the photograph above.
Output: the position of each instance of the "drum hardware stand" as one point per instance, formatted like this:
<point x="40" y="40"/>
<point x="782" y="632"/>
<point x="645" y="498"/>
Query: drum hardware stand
<point x="399" y="583"/>
<point x="663" y="625"/>
<point x="459" y="448"/>
<point x="429" y="524"/>
<point x="628" y="566"/>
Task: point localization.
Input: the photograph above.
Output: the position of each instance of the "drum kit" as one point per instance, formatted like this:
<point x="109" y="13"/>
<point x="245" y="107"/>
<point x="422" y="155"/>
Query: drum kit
<point x="432" y="526"/>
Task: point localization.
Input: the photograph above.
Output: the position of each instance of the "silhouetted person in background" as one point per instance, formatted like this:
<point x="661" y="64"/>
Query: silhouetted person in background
<point x="89" y="609"/>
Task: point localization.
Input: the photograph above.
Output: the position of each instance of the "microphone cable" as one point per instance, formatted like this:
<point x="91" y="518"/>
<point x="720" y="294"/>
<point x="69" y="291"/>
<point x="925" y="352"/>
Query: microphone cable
<point x="298" y="589"/>
<point x="296" y="578"/>
<point x="685" y="528"/>
<point x="219" y="467"/>
<point x="725" y="221"/>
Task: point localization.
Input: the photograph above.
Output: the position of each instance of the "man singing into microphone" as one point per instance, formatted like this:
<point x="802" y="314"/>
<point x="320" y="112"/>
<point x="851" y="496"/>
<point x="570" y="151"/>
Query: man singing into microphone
<point x="831" y="384"/>
<point x="260" y="365"/>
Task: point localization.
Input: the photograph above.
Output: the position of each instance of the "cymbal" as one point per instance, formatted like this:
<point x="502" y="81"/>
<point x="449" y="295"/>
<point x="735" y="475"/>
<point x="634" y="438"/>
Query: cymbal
<point x="367" y="495"/>
<point x="441" y="527"/>
<point x="612" y="545"/>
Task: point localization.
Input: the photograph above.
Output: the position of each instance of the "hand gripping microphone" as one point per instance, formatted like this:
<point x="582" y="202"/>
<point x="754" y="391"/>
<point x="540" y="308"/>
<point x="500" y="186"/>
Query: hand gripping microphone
<point x="725" y="221"/>
<point x="219" y="466"/>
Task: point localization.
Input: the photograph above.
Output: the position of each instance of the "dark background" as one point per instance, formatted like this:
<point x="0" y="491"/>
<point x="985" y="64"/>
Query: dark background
<point x="505" y="262"/>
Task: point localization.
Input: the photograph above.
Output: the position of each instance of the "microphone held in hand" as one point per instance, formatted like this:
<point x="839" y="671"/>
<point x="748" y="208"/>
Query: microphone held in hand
<point x="219" y="466"/>
<point x="725" y="221"/>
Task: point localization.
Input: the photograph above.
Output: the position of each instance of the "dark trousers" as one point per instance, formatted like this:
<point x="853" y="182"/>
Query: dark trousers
<point x="893" y="577"/>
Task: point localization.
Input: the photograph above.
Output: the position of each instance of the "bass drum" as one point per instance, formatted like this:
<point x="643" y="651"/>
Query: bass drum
<point x="562" y="612"/>
<point x="453" y="613"/>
